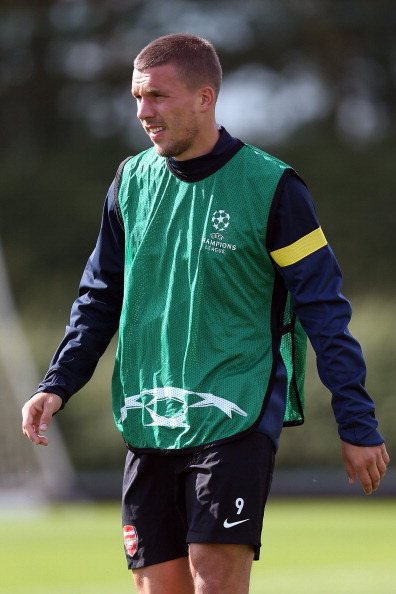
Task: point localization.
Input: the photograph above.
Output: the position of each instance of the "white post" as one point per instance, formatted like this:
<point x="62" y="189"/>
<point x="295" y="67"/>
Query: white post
<point x="56" y="476"/>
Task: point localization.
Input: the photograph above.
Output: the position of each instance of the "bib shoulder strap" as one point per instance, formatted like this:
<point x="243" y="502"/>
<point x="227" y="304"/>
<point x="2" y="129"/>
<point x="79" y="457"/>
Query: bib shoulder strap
<point x="117" y="182"/>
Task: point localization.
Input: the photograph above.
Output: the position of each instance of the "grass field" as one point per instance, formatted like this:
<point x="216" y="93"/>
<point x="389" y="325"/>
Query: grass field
<point x="309" y="547"/>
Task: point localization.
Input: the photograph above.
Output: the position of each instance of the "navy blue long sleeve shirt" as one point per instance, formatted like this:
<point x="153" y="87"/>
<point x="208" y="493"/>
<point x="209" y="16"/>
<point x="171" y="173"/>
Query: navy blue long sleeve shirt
<point x="314" y="282"/>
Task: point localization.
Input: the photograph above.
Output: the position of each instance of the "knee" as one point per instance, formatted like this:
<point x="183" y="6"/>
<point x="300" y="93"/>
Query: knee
<point x="220" y="569"/>
<point x="208" y="571"/>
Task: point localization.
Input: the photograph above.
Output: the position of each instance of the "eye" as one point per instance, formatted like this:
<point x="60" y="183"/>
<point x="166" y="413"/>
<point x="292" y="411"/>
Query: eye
<point x="158" y="95"/>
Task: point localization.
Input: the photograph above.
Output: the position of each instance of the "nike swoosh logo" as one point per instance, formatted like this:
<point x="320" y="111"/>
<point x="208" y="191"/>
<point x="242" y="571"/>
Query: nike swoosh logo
<point x="228" y="524"/>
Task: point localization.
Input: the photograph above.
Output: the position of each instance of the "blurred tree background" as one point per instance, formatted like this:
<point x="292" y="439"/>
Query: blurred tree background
<point x="311" y="81"/>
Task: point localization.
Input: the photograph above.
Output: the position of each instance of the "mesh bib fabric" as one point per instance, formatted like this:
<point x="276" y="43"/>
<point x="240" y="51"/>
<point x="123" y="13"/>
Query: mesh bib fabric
<point x="195" y="352"/>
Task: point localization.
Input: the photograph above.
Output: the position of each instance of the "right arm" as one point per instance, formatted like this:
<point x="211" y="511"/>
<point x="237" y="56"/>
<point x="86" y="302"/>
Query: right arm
<point x="93" y="322"/>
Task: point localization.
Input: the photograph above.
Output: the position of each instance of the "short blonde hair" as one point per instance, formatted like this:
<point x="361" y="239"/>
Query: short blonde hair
<point x="195" y="58"/>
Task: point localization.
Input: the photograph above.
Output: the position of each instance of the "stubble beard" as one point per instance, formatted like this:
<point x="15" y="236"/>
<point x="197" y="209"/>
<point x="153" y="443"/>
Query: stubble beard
<point x="174" y="148"/>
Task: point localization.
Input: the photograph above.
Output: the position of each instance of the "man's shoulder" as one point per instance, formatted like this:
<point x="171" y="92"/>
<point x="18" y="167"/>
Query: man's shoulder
<point x="262" y="156"/>
<point x="137" y="170"/>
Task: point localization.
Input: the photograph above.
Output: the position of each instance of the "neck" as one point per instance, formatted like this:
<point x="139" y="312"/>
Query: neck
<point x="193" y="170"/>
<point x="206" y="142"/>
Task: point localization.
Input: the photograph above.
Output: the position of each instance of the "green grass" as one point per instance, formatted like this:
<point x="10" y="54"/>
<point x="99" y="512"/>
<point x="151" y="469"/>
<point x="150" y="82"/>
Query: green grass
<point x="309" y="547"/>
<point x="322" y="547"/>
<point x="74" y="549"/>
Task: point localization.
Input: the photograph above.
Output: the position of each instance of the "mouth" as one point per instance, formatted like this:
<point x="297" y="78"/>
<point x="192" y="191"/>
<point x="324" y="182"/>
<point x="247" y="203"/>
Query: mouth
<point x="155" y="131"/>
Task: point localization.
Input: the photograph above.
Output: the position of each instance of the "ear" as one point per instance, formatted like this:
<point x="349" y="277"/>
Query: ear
<point x="207" y="98"/>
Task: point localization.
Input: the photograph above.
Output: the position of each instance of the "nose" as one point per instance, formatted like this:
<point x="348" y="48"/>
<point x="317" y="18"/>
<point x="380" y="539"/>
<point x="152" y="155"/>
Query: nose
<point x="145" y="108"/>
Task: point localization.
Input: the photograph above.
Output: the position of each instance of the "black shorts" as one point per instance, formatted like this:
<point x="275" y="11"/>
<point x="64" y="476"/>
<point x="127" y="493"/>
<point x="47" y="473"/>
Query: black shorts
<point x="216" y="495"/>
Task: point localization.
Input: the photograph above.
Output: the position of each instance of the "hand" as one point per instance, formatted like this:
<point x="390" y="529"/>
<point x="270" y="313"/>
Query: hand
<point x="367" y="463"/>
<point x="37" y="414"/>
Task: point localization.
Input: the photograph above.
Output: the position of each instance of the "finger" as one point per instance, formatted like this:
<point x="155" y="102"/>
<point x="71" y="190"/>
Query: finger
<point x="52" y="404"/>
<point x="378" y="469"/>
<point x="29" y="426"/>
<point x="381" y="468"/>
<point x="381" y="463"/>
<point x="45" y="420"/>
<point x="42" y="440"/>
<point x="32" y="434"/>
<point x="370" y="478"/>
<point x="351" y="473"/>
<point x="367" y="482"/>
<point x="385" y="455"/>
<point x="31" y="415"/>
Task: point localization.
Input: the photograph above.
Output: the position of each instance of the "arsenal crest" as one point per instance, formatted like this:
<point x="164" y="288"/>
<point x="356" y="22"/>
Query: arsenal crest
<point x="130" y="540"/>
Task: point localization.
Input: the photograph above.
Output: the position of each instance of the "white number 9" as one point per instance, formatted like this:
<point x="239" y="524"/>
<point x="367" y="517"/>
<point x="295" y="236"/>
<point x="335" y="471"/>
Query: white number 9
<point x="239" y="503"/>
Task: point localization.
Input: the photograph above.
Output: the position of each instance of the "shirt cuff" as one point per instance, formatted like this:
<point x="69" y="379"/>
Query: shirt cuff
<point x="362" y="431"/>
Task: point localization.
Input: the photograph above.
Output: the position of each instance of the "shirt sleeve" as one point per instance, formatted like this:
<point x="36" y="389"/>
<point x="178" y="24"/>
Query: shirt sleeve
<point x="95" y="314"/>
<point x="312" y="275"/>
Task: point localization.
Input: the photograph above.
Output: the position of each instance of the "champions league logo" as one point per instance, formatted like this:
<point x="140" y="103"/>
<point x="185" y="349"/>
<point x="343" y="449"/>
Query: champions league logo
<point x="168" y="395"/>
<point x="220" y="220"/>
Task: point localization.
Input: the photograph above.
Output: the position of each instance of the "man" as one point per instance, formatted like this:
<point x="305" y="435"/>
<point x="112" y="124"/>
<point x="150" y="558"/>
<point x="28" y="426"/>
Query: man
<point x="213" y="265"/>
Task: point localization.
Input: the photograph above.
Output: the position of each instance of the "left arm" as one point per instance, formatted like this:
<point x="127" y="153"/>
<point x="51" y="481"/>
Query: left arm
<point x="312" y="275"/>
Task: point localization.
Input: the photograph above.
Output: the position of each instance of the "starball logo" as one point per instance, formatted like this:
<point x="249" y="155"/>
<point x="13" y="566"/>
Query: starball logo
<point x="220" y="221"/>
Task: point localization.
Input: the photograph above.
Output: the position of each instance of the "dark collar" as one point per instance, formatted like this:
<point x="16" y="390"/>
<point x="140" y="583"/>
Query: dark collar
<point x="194" y="170"/>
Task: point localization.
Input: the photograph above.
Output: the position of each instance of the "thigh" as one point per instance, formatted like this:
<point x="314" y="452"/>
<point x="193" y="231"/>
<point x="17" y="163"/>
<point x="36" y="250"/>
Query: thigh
<point x="152" y="510"/>
<point x="227" y="489"/>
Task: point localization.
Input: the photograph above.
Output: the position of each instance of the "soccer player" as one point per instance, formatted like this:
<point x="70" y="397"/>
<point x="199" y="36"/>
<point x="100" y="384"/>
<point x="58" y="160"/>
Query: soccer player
<point x="212" y="265"/>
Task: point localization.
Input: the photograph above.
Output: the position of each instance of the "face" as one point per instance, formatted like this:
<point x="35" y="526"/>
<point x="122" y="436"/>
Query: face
<point x="168" y="110"/>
